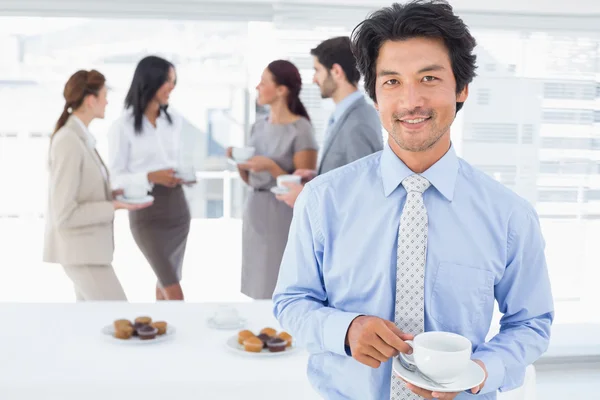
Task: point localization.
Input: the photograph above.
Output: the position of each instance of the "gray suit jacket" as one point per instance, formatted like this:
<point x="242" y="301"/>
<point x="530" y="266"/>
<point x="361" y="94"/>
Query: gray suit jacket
<point x="355" y="135"/>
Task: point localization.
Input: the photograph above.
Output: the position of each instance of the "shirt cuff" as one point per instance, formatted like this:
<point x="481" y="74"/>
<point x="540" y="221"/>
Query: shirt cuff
<point x="335" y="329"/>
<point x="495" y="370"/>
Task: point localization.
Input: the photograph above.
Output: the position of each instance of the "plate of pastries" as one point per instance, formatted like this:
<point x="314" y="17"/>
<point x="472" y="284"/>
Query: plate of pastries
<point x="141" y="330"/>
<point x="266" y="343"/>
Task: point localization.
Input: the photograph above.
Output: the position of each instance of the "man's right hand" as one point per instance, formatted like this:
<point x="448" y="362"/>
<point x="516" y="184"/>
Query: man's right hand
<point x="373" y="340"/>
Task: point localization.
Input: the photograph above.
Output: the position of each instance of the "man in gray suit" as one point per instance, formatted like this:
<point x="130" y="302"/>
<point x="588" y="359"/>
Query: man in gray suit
<point x="354" y="129"/>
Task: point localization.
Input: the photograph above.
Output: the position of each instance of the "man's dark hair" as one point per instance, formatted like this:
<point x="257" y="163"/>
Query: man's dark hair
<point x="419" y="18"/>
<point x="338" y="50"/>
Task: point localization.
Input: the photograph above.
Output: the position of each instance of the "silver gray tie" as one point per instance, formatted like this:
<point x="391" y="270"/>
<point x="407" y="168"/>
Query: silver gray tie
<point x="410" y="272"/>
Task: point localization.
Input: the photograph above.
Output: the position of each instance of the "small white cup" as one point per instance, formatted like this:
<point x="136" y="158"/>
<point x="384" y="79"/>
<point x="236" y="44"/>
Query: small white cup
<point x="186" y="174"/>
<point x="288" y="179"/>
<point x="241" y="154"/>
<point x="226" y="315"/>
<point x="442" y="356"/>
<point x="135" y="191"/>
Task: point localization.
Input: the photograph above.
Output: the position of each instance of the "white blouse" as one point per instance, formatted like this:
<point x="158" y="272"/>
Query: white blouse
<point x="133" y="155"/>
<point x="91" y="143"/>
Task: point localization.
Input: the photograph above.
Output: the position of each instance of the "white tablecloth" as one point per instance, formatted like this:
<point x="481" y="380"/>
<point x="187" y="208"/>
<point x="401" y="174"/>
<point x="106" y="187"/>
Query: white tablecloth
<point x="56" y="351"/>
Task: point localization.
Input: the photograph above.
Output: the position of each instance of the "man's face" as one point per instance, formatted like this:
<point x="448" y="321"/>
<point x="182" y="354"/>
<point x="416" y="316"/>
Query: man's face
<point x="416" y="92"/>
<point x="323" y="79"/>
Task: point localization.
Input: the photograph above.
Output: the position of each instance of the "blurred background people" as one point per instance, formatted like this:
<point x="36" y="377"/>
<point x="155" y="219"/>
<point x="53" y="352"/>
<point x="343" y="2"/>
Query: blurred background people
<point x="144" y="147"/>
<point x="353" y="130"/>
<point x="284" y="141"/>
<point x="81" y="205"/>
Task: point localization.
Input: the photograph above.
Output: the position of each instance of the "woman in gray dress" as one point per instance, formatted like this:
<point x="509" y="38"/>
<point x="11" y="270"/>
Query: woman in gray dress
<point x="284" y="142"/>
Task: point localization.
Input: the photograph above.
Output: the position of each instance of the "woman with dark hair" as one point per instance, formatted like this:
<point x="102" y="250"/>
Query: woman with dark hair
<point x="81" y="205"/>
<point x="145" y="145"/>
<point x="284" y="141"/>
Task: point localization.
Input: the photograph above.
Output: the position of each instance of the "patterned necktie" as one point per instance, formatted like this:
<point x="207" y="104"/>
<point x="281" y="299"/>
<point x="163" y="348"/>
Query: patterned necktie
<point x="410" y="272"/>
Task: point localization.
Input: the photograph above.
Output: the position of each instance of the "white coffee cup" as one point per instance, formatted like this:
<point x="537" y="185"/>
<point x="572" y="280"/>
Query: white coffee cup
<point x="441" y="356"/>
<point x="186" y="174"/>
<point x="135" y="191"/>
<point x="241" y="154"/>
<point x="288" y="179"/>
<point x="226" y="315"/>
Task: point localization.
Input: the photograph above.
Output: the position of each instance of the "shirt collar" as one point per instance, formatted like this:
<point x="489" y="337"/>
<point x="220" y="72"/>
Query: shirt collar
<point x="90" y="139"/>
<point x="442" y="174"/>
<point x="343" y="105"/>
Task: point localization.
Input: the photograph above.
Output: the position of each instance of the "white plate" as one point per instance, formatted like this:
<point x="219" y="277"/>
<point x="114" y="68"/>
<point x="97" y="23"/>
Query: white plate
<point x="234" y="346"/>
<point x="473" y="376"/>
<point x="108" y="331"/>
<point x="278" y="190"/>
<point x="240" y="323"/>
<point x="140" y="200"/>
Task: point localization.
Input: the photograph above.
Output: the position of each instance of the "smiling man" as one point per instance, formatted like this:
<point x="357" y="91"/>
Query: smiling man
<point x="413" y="238"/>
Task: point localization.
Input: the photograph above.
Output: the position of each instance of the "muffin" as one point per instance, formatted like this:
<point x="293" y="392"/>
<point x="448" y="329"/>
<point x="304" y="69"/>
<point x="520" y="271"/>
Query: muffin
<point x="137" y="326"/>
<point x="253" y="344"/>
<point x="243" y="335"/>
<point x="161" y="326"/>
<point x="276" y="345"/>
<point x="121" y="323"/>
<point x="287" y="337"/>
<point x="123" y="332"/>
<point x="269" y="331"/>
<point x="147" y="332"/>
<point x="143" y="320"/>
<point x="264" y="338"/>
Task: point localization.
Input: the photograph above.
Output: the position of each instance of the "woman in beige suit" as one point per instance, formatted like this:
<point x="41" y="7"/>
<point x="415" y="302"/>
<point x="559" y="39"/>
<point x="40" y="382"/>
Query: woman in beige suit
<point x="81" y="205"/>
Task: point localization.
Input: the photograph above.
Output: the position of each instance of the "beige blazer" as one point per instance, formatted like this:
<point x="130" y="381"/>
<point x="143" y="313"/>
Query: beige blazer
<point x="79" y="218"/>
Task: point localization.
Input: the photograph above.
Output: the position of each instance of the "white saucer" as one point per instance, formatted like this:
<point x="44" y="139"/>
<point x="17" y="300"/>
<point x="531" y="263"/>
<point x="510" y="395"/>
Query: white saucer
<point x="235" y="162"/>
<point x="233" y="345"/>
<point x="472" y="377"/>
<point x="278" y="190"/>
<point x="139" y="200"/>
<point x="240" y="323"/>
<point x="109" y="331"/>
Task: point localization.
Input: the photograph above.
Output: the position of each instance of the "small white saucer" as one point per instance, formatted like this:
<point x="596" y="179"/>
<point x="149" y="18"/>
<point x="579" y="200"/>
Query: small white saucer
<point x="472" y="377"/>
<point x="140" y="200"/>
<point x="278" y="190"/>
<point x="238" y="324"/>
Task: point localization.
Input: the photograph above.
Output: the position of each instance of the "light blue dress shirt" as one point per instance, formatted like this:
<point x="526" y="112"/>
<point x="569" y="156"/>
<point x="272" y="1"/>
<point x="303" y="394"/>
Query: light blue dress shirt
<point x="343" y="105"/>
<point x="484" y="243"/>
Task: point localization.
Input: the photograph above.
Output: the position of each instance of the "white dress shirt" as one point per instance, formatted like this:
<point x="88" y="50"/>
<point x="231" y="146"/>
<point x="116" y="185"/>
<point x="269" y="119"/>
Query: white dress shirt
<point x="91" y="142"/>
<point x="133" y="155"/>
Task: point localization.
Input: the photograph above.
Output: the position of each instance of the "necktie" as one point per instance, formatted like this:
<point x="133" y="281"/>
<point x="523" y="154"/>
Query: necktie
<point x="410" y="272"/>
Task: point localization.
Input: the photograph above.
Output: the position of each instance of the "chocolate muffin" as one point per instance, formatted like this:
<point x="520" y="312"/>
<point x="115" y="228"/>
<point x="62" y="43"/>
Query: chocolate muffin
<point x="137" y="326"/>
<point x="147" y="332"/>
<point x="264" y="338"/>
<point x="276" y="345"/>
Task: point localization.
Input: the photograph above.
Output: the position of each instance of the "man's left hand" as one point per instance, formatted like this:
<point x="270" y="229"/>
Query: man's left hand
<point x="290" y="197"/>
<point x="446" y="396"/>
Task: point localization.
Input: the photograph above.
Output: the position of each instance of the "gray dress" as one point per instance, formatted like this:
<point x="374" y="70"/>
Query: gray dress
<point x="266" y="220"/>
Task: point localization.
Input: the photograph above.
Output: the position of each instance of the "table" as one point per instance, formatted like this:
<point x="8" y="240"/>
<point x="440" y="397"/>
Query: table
<point x="56" y="352"/>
